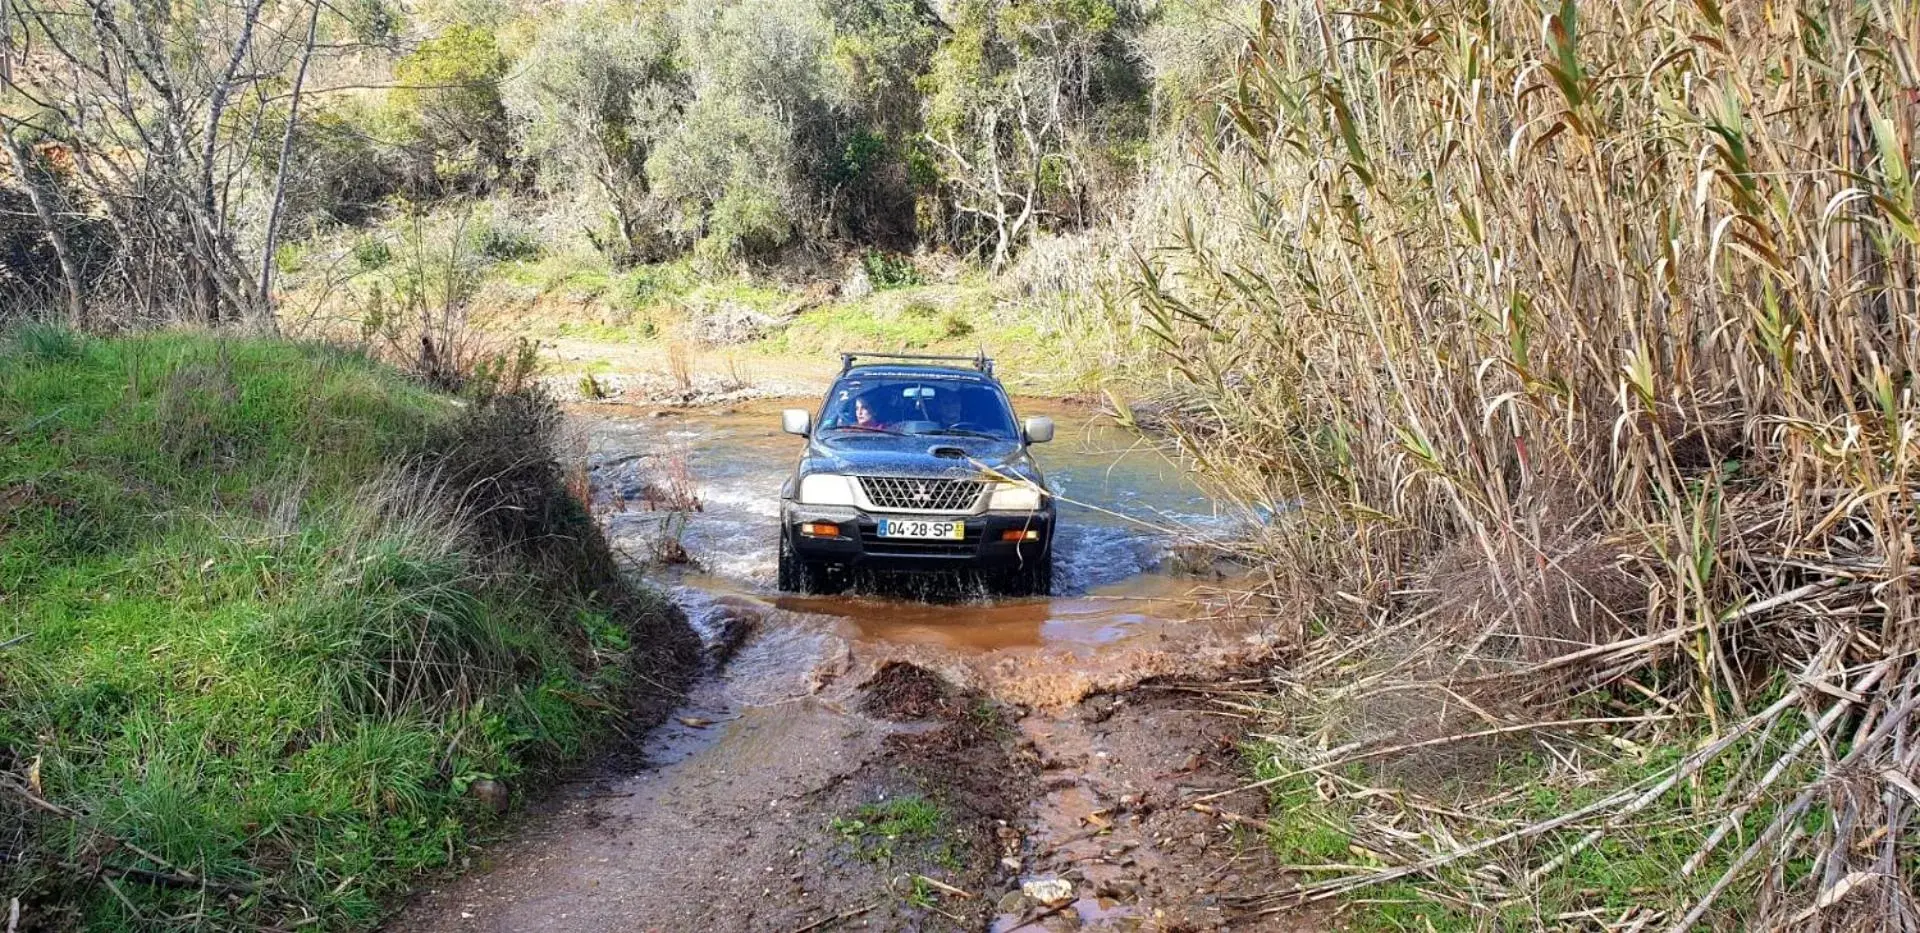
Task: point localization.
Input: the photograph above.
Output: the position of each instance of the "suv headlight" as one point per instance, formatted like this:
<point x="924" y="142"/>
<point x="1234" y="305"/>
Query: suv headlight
<point x="1014" y="497"/>
<point x="826" y="489"/>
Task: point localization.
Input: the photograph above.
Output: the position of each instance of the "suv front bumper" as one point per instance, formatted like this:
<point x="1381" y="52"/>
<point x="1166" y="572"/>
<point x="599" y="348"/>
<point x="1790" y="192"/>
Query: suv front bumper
<point x="859" y="545"/>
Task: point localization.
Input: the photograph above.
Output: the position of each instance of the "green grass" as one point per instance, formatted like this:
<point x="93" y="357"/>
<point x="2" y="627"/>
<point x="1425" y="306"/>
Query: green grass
<point x="882" y="831"/>
<point x="915" y="326"/>
<point x="1620" y="871"/>
<point x="250" y="647"/>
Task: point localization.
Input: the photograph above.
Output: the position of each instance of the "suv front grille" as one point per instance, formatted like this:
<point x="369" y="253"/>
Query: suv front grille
<point x="921" y="495"/>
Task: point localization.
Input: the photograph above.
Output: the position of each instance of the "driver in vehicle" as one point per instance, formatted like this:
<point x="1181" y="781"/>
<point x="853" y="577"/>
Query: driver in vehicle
<point x="864" y="415"/>
<point x="950" y="410"/>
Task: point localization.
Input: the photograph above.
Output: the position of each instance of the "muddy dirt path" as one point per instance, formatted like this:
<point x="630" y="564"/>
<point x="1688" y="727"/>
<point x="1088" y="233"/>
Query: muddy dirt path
<point x="877" y="762"/>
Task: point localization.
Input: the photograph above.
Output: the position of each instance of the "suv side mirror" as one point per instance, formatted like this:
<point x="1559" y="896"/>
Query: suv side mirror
<point x="1039" y="430"/>
<point x="796" y="421"/>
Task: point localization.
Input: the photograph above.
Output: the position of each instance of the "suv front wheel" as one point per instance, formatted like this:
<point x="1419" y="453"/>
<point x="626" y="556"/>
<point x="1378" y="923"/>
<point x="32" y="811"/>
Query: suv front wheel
<point x="802" y="576"/>
<point x="796" y="575"/>
<point x="1032" y="579"/>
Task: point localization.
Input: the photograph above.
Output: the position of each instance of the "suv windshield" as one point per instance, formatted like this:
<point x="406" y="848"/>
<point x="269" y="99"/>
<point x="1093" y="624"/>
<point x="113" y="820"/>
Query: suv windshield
<point x="899" y="405"/>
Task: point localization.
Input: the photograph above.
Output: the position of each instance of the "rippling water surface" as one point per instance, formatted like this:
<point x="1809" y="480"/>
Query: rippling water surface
<point x="1120" y="501"/>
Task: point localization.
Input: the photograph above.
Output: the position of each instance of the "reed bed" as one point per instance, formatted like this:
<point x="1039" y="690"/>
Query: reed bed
<point x="1570" y="350"/>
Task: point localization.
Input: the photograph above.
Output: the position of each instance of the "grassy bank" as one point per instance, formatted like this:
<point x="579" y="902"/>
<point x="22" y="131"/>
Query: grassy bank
<point x="279" y="628"/>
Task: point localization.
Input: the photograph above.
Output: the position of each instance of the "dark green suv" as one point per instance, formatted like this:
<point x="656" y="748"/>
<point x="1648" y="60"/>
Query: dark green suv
<point x="916" y="464"/>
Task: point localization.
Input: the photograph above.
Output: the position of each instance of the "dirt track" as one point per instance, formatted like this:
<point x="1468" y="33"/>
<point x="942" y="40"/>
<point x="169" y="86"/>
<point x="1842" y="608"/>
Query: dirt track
<point x="744" y="834"/>
<point x="873" y="762"/>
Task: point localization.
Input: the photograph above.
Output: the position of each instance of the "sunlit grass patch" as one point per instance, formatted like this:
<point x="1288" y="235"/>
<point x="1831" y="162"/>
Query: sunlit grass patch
<point x="251" y="641"/>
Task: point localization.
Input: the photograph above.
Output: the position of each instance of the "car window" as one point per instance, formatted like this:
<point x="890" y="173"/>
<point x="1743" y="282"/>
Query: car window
<point x="911" y="406"/>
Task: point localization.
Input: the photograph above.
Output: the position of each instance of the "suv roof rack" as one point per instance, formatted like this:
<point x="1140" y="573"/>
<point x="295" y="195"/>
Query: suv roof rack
<point x="979" y="360"/>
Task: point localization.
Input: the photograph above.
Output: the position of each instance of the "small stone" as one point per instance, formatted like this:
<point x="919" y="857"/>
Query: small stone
<point x="1011" y="864"/>
<point x="856" y="285"/>
<point x="1062" y="922"/>
<point x="1049" y="891"/>
<point x="492" y="793"/>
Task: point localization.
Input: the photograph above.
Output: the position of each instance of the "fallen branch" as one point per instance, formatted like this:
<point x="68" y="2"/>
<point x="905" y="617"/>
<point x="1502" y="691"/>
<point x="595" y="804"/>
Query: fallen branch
<point x="943" y="887"/>
<point x="1028" y="921"/>
<point x="167" y="873"/>
<point x="165" y="879"/>
<point x="824" y="922"/>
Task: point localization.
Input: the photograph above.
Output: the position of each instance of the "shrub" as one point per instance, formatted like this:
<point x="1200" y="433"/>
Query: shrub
<point x="449" y="102"/>
<point x="503" y="239"/>
<point x="371" y="253"/>
<point x="889" y="270"/>
<point x="341" y="174"/>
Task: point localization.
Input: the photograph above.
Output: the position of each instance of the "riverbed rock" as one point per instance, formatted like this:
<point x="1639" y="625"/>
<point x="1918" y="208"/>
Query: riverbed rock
<point x="734" y="621"/>
<point x="1048" y="891"/>
<point x="857" y="284"/>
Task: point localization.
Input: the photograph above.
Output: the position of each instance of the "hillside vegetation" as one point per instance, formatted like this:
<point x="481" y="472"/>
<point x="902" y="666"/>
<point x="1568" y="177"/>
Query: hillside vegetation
<point x="282" y="629"/>
<point x="617" y="133"/>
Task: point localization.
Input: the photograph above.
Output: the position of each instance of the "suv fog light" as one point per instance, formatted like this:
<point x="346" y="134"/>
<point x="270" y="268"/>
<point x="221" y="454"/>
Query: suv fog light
<point x="820" y="530"/>
<point x="1016" y="534"/>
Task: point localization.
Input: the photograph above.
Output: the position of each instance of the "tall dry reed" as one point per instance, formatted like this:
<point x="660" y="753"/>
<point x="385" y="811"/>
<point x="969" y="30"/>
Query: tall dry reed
<point x="1576" y="344"/>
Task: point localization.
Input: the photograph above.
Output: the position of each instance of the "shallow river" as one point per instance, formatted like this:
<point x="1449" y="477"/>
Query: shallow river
<point x="1122" y="505"/>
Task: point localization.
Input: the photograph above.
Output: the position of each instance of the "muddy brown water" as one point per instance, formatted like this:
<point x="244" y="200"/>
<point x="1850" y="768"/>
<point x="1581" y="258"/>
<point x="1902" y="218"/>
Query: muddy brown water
<point x="774" y="731"/>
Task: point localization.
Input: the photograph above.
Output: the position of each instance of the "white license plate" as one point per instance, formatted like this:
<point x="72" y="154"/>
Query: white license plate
<point x="920" y="528"/>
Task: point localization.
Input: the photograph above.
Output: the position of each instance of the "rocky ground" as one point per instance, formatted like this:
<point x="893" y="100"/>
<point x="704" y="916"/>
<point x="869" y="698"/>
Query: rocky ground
<point x="897" y="802"/>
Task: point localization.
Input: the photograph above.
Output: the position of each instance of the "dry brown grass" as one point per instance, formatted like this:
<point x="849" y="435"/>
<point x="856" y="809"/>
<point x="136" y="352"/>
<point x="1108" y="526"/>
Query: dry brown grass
<point x="1587" y="344"/>
<point x="680" y="365"/>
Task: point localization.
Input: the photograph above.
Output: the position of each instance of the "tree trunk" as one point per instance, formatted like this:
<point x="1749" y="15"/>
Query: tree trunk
<point x="43" y="206"/>
<point x="265" y="320"/>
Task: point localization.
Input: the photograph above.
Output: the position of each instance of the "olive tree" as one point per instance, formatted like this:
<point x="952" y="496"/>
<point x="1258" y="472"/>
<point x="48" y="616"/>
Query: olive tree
<point x="881" y="50"/>
<point x="1023" y="101"/>
<point x="447" y="94"/>
<point x="737" y="165"/>
<point x="597" y="91"/>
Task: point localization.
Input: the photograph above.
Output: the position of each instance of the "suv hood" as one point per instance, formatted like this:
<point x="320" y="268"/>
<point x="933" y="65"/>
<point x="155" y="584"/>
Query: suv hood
<point x="856" y="452"/>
